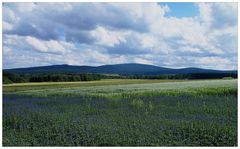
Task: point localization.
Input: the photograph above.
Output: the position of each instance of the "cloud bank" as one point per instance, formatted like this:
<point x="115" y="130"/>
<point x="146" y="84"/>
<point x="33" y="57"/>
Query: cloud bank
<point x="36" y="34"/>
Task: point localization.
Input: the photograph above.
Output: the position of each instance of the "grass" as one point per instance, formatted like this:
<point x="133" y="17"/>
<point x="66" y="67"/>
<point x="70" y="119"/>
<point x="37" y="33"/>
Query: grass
<point x="47" y="85"/>
<point x="186" y="113"/>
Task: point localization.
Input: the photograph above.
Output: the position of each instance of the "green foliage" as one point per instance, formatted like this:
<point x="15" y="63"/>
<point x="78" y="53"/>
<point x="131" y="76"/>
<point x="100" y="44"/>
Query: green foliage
<point x="56" y="77"/>
<point x="72" y="77"/>
<point x="6" y="80"/>
<point x="138" y="103"/>
<point x="198" y="113"/>
<point x="150" y="106"/>
<point x="132" y="90"/>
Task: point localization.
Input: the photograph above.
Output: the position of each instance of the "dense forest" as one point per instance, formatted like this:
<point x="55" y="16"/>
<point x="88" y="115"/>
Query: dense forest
<point x="71" y="77"/>
<point x="56" y="77"/>
<point x="186" y="76"/>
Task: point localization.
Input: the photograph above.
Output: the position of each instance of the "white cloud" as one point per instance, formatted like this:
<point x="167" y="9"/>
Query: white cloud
<point x="96" y="58"/>
<point x="29" y="43"/>
<point x="7" y="51"/>
<point x="36" y="44"/>
<point x="9" y="16"/>
<point x="7" y="26"/>
<point x="218" y="15"/>
<point x="190" y="49"/>
<point x="26" y="7"/>
<point x="106" y="37"/>
<point x="142" y="61"/>
<point x="205" y="13"/>
<point x="122" y="32"/>
<point x="217" y="63"/>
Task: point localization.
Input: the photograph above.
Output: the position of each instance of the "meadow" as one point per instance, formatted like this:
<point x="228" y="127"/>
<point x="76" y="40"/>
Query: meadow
<point x="121" y="113"/>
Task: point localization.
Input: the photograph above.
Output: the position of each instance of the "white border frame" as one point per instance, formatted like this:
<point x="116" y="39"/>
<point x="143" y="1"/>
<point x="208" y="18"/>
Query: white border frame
<point x="196" y="1"/>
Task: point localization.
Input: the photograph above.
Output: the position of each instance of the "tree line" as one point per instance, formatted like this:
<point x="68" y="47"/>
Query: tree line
<point x="71" y="77"/>
<point x="186" y="76"/>
<point x="58" y="77"/>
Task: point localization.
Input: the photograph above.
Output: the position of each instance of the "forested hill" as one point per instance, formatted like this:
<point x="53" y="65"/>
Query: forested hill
<point x="63" y="73"/>
<point x="121" y="69"/>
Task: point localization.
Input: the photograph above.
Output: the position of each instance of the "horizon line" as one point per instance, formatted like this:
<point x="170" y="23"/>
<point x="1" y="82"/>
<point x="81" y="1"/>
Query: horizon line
<point x="118" y="64"/>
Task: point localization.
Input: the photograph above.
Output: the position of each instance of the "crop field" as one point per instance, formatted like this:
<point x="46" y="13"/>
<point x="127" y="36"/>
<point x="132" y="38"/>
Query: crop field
<point x="121" y="113"/>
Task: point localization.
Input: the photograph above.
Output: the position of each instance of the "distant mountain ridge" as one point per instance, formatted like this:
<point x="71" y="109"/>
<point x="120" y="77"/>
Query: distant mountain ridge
<point x="121" y="69"/>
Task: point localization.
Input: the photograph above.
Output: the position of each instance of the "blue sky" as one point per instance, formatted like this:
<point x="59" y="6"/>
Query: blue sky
<point x="181" y="9"/>
<point x="173" y="35"/>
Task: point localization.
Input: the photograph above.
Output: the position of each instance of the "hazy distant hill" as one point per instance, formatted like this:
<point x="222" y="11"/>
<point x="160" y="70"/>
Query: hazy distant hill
<point x="122" y="69"/>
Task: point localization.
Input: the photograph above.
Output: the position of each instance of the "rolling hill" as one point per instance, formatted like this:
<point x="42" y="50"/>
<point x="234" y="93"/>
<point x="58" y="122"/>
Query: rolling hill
<point x="121" y="69"/>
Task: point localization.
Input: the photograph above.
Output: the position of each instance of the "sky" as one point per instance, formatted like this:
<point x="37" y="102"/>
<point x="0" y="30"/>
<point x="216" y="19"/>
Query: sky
<point x="174" y="35"/>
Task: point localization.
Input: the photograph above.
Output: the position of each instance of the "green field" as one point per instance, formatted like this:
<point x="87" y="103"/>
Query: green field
<point x="121" y="113"/>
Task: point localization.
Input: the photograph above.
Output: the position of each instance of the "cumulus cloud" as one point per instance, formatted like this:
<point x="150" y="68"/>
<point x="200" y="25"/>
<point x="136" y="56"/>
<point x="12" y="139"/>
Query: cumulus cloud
<point x="33" y="44"/>
<point x="108" y="33"/>
<point x="7" y="26"/>
<point x="106" y="37"/>
<point x="218" y="15"/>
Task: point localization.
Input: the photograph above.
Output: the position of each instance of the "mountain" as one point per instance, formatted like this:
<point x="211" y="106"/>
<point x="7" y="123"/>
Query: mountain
<point x="122" y="69"/>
